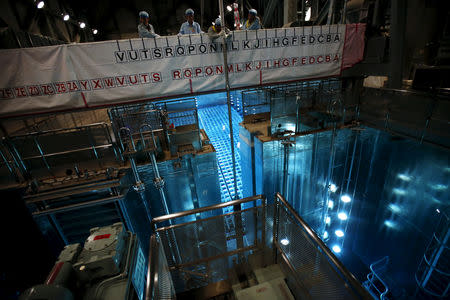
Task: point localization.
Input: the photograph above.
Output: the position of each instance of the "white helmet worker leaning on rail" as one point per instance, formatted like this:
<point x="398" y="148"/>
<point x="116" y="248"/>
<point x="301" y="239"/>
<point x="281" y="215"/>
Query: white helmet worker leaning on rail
<point x="145" y="29"/>
<point x="253" y="22"/>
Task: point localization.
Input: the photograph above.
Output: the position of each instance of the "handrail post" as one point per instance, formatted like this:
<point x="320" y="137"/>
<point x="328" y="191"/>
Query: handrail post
<point x="263" y="224"/>
<point x="275" y="228"/>
<point x="41" y="152"/>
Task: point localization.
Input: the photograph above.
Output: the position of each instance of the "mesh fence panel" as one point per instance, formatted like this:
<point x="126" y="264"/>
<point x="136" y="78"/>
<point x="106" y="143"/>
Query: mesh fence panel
<point x="314" y="274"/>
<point x="200" y="252"/>
<point x="255" y="102"/>
<point x="134" y="116"/>
<point x="164" y="287"/>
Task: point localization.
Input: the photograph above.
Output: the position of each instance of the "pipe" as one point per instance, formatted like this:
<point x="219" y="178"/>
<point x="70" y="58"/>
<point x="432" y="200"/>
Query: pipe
<point x="330" y="12"/>
<point x="6" y="163"/>
<point x="157" y="181"/>
<point x="139" y="186"/>
<point x="227" y="87"/>
<point x="41" y="153"/>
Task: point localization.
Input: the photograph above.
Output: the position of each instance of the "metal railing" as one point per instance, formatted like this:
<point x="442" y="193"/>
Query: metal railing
<point x="161" y="285"/>
<point x="207" y="250"/>
<point x="433" y="273"/>
<point x="51" y="148"/>
<point x="204" y="246"/>
<point x="375" y="283"/>
<point x="316" y="272"/>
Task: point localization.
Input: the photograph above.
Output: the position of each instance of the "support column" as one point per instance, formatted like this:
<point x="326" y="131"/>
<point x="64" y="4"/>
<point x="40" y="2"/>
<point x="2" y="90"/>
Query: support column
<point x="397" y="42"/>
<point x="290" y="11"/>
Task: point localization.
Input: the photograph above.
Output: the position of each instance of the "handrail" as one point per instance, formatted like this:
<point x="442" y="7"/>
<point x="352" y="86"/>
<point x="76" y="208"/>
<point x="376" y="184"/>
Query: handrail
<point x="206" y="208"/>
<point x="370" y="279"/>
<point x="102" y="124"/>
<point x="347" y="274"/>
<point x="152" y="270"/>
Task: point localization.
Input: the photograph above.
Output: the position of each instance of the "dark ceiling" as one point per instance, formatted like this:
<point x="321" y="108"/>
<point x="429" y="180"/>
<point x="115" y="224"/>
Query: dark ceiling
<point x="112" y="18"/>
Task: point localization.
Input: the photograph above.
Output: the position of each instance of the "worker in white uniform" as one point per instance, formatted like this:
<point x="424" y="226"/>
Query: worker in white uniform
<point x="190" y="26"/>
<point x="145" y="29"/>
<point x="253" y="22"/>
<point x="215" y="30"/>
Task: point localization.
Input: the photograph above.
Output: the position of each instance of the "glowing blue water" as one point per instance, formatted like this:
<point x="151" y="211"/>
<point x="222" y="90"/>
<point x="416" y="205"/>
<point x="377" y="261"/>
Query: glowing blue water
<point x="215" y="122"/>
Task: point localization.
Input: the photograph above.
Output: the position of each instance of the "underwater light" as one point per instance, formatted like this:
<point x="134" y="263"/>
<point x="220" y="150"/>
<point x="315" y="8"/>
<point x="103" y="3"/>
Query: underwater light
<point x="404" y="177"/>
<point x="330" y="204"/>
<point x="284" y="242"/>
<point x="389" y="223"/>
<point x="395" y="208"/>
<point x="325" y="234"/>
<point x="339" y="233"/>
<point x="327" y="220"/>
<point x="333" y="188"/>
<point x="399" y="192"/>
<point x="342" y="216"/>
<point x="437" y="210"/>
<point x="336" y="249"/>
<point x="346" y="198"/>
<point x="438" y="187"/>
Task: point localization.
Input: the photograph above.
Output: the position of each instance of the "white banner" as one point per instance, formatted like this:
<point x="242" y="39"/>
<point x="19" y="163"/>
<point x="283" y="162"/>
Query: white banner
<point x="76" y="76"/>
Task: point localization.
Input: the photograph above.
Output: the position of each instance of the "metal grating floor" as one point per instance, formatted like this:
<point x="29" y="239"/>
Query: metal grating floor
<point x="214" y="120"/>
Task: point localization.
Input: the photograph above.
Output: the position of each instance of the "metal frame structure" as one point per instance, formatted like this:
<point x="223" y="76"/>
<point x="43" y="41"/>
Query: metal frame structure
<point x="312" y="249"/>
<point x="20" y="156"/>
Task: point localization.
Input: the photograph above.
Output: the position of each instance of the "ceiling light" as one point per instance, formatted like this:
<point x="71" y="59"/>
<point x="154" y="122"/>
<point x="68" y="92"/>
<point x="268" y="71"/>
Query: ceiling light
<point x="229" y="8"/>
<point x="66" y="17"/>
<point x="82" y="25"/>
<point x="94" y="31"/>
<point x="40" y="4"/>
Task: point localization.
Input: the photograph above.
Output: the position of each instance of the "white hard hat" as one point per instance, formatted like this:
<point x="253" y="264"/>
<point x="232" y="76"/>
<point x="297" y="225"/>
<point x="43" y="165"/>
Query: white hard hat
<point x="218" y="22"/>
<point x="144" y="14"/>
<point x="189" y="11"/>
<point x="252" y="11"/>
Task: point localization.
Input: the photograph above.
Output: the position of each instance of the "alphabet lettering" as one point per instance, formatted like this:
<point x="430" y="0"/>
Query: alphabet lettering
<point x="176" y="74"/>
<point x="120" y="56"/>
<point x="157" y="77"/>
<point x="109" y="82"/>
